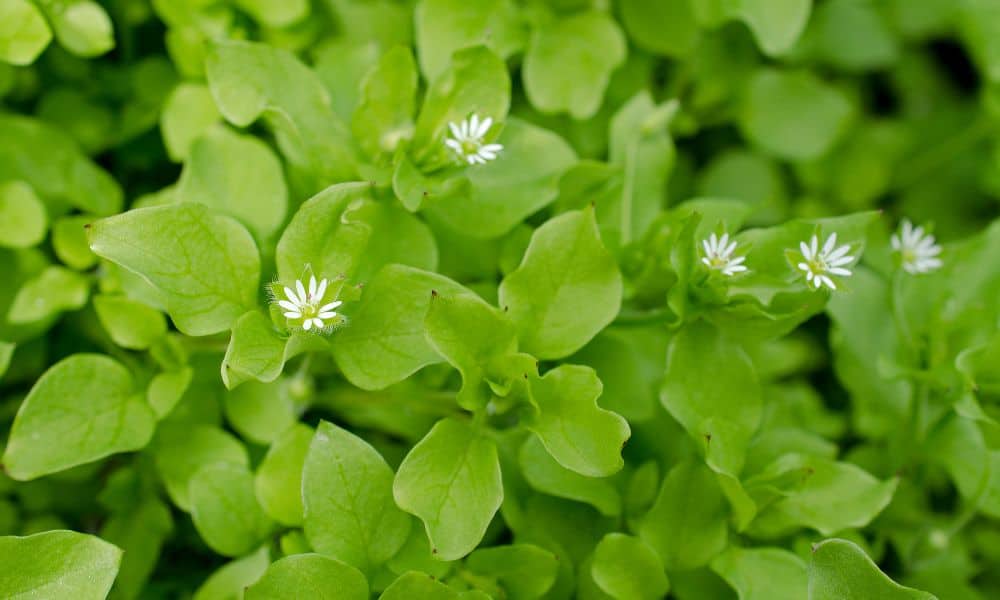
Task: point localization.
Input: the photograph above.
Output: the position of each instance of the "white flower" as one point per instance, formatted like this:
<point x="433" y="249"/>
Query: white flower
<point x="307" y="307"/>
<point x="916" y="248"/>
<point x="466" y="140"/>
<point x="719" y="255"/>
<point x="820" y="264"/>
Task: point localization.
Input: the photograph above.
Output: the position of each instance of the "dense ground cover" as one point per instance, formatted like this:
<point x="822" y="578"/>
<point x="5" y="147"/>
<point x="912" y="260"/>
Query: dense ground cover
<point x="499" y="298"/>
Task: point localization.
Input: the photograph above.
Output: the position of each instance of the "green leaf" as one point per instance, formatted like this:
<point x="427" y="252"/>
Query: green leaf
<point x="166" y="389"/>
<point x="630" y="363"/>
<point x="711" y="388"/>
<point x="451" y="481"/>
<point x="54" y="290"/>
<point x="384" y="115"/>
<point x="473" y="337"/>
<point x="566" y="289"/>
<point x="643" y="149"/>
<point x="52" y="163"/>
<point x="522" y="180"/>
<point x="23" y="33"/>
<point x="840" y="569"/>
<point x="276" y="13"/>
<point x="180" y="450"/>
<point x="188" y="113"/>
<point x="140" y="532"/>
<point x="873" y="43"/>
<point x="793" y="114"/>
<point x="414" y="584"/>
<point x="261" y="411"/>
<point x="477" y="82"/>
<point x="687" y="525"/>
<point x="238" y="176"/>
<point x="6" y="353"/>
<point x="257" y="351"/>
<point x="546" y="475"/>
<point x="224" y="509"/>
<point x="763" y="573"/>
<point x="251" y="80"/>
<point x="57" y="564"/>
<point x="347" y="495"/>
<point x="384" y="342"/>
<point x="81" y="26"/>
<point x="776" y="24"/>
<point x="23" y="215"/>
<point x="69" y="241"/>
<point x="667" y="27"/>
<point x="626" y="568"/>
<point x="326" y="234"/>
<point x="278" y="481"/>
<point x="445" y="26"/>
<point x="83" y="408"/>
<point x="309" y="576"/>
<point x="525" y="571"/>
<point x="209" y="275"/>
<point x="579" y="434"/>
<point x="130" y="324"/>
<point x="569" y="63"/>
<point x="230" y="580"/>
<point x="824" y="494"/>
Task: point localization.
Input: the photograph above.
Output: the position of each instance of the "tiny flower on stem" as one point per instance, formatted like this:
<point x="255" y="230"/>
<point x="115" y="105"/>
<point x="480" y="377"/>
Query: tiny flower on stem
<point x="819" y="263"/>
<point x="467" y="138"/>
<point x="917" y="249"/>
<point x="719" y="255"/>
<point x="308" y="307"/>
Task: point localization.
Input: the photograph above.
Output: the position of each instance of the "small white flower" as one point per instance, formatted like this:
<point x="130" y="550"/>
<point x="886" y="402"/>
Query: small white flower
<point x="819" y="264"/>
<point x="308" y="307"/>
<point x="916" y="249"/>
<point x="466" y="141"/>
<point x="719" y="255"/>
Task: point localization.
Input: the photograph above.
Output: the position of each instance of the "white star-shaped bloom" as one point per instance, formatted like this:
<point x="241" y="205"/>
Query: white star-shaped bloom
<point x="308" y="307"/>
<point x="917" y="249"/>
<point x="818" y="264"/>
<point x="467" y="138"/>
<point x="719" y="255"/>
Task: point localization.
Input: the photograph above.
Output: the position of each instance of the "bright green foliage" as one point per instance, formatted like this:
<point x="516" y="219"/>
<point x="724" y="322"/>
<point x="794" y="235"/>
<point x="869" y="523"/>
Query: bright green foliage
<point x="567" y="337"/>
<point x="181" y="450"/>
<point x="793" y="114"/>
<point x="237" y="176"/>
<point x="84" y="408"/>
<point x="577" y="432"/>
<point x="451" y="481"/>
<point x="309" y="576"/>
<point x="278" y="481"/>
<point x="569" y="62"/>
<point x="626" y="568"/>
<point x="523" y="571"/>
<point x="22" y="214"/>
<point x="546" y="475"/>
<point x="224" y="509"/>
<point x="566" y="289"/>
<point x="130" y="324"/>
<point x="687" y="524"/>
<point x="711" y="388"/>
<point x="57" y="564"/>
<point x="24" y="33"/>
<point x="390" y="315"/>
<point x="840" y="569"/>
<point x="209" y="276"/>
<point x="347" y="495"/>
<point x="763" y="573"/>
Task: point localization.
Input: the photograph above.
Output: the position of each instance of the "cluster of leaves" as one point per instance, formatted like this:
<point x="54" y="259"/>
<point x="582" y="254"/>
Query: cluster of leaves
<point x="535" y="388"/>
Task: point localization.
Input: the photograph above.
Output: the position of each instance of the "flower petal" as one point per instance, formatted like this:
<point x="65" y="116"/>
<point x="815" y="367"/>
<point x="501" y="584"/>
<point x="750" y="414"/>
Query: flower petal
<point x="330" y="306"/>
<point x="293" y="314"/>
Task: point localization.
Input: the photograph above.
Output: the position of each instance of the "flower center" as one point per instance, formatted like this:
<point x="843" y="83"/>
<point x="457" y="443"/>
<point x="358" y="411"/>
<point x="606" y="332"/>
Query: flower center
<point x="470" y="146"/>
<point x="817" y="266"/>
<point x="718" y="262"/>
<point x="908" y="255"/>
